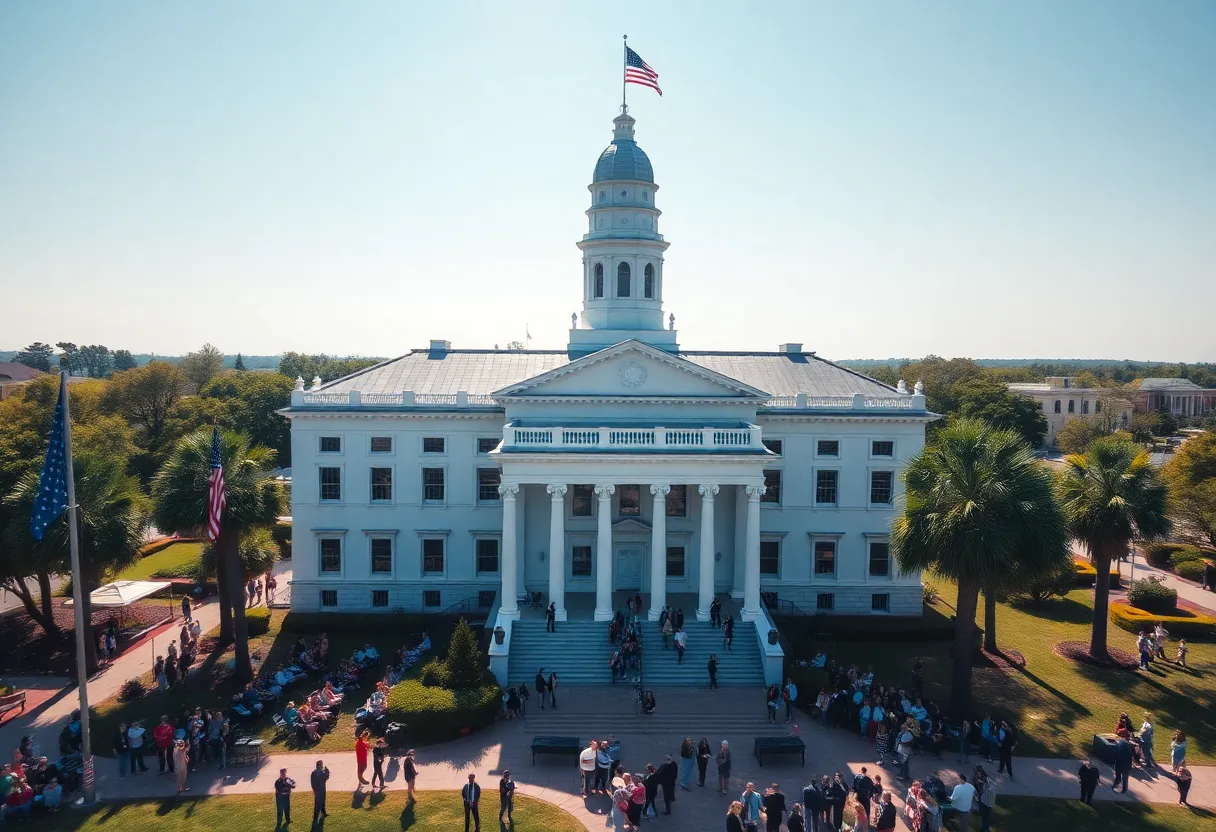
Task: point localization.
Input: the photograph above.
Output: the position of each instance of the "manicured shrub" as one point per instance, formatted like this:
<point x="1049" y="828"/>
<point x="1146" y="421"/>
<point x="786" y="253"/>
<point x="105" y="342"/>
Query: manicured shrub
<point x="1152" y="595"/>
<point x="131" y="689"/>
<point x="1182" y="624"/>
<point x="1084" y="573"/>
<point x="432" y="714"/>
<point x="1184" y="554"/>
<point x="257" y="619"/>
<point x="1159" y="554"/>
<point x="435" y="674"/>
<point x="1055" y="584"/>
<point x="1192" y="570"/>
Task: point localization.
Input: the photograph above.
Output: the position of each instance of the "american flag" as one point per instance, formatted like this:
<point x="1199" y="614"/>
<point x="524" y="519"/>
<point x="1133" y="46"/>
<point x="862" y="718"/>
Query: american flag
<point x="52" y="497"/>
<point x="639" y="72"/>
<point x="217" y="496"/>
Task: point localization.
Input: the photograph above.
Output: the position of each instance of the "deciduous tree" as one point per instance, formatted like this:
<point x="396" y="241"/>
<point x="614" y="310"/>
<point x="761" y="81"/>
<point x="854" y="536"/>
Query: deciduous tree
<point x="1191" y="477"/>
<point x="145" y="396"/>
<point x="37" y="355"/>
<point x="991" y="401"/>
<point x="1078" y="434"/>
<point x="123" y="360"/>
<point x="200" y="366"/>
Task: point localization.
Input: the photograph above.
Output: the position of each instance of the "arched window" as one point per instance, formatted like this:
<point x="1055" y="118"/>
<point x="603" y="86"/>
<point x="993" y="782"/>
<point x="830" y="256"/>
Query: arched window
<point x="603" y="196"/>
<point x="622" y="280"/>
<point x="1084" y="406"/>
<point x="598" y="291"/>
<point x="648" y="281"/>
<point x="1072" y="406"/>
<point x="1097" y="407"/>
<point x="1057" y="405"/>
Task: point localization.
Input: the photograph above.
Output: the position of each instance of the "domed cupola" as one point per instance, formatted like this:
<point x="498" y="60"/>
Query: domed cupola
<point x="623" y="159"/>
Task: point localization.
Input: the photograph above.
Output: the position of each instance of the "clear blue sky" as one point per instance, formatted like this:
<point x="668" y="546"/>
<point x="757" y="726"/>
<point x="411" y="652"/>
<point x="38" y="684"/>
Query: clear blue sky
<point x="873" y="179"/>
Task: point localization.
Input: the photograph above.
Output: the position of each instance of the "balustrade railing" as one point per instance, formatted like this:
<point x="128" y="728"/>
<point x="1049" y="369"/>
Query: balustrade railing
<point x="858" y="401"/>
<point x="616" y="438"/>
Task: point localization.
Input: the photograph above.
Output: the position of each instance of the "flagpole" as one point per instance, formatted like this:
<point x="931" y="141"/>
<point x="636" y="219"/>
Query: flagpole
<point x="82" y="674"/>
<point x="624" y="68"/>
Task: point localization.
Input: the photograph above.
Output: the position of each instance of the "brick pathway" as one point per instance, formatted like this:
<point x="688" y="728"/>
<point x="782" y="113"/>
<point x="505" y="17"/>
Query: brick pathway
<point x="739" y="712"/>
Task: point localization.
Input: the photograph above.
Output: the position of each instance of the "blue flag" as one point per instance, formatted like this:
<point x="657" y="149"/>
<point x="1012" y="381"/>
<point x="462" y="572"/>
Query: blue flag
<point x="52" y="499"/>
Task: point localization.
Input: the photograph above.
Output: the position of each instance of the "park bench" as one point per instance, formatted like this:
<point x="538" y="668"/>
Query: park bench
<point x="12" y="702"/>
<point x="779" y="745"/>
<point x="555" y="745"/>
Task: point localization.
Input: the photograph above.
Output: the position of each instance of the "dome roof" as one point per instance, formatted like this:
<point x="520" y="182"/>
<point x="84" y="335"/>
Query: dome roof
<point x="623" y="159"/>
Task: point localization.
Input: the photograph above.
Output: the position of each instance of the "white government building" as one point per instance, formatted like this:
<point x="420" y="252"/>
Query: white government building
<point x="621" y="464"/>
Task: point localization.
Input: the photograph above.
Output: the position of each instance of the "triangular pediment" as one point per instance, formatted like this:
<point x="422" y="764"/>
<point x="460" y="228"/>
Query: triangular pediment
<point x="630" y="525"/>
<point x="633" y="369"/>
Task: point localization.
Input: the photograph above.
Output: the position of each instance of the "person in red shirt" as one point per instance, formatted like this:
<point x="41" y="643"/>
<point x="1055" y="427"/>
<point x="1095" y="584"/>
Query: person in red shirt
<point x="163" y="735"/>
<point x="361" y="747"/>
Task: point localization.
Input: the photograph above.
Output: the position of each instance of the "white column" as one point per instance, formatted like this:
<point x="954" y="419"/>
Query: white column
<point x="658" y="551"/>
<point x="706" y="595"/>
<point x="509" y="604"/>
<point x="751" y="573"/>
<point x="557" y="548"/>
<point x="603" y="554"/>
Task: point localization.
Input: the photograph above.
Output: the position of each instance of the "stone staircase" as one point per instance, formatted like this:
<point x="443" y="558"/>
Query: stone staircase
<point x="579" y="651"/>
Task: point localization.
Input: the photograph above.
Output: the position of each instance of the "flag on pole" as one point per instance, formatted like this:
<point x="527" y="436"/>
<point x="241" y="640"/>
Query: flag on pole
<point x="52" y="498"/>
<point x="639" y="72"/>
<point x="217" y="497"/>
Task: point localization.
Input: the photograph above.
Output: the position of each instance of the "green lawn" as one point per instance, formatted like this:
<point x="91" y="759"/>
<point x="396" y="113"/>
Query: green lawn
<point x="180" y="560"/>
<point x="1057" y="704"/>
<point x="1014" y="814"/>
<point x="434" y="812"/>
<point x="274" y="646"/>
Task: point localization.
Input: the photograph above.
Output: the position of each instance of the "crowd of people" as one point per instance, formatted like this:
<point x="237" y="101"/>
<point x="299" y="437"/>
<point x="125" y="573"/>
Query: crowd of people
<point x="34" y="782"/>
<point x="1151" y="644"/>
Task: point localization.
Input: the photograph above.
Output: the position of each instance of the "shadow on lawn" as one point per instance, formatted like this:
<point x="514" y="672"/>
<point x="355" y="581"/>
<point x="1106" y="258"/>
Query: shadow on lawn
<point x="1059" y="610"/>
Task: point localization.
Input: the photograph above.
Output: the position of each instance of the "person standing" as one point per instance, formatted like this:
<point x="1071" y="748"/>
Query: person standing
<point x="1146" y="742"/>
<point x="361" y="748"/>
<point x="715" y="613"/>
<point x="1008" y="738"/>
<point x="524" y="695"/>
<point x="681" y="642"/>
<point x="774" y="808"/>
<point x="667" y="774"/>
<point x="863" y="786"/>
<point x="961" y="799"/>
<point x="181" y="762"/>
<point x="162" y="735"/>
<point x="703" y="755"/>
<point x="603" y="765"/>
<point x="379" y="751"/>
<point x="121" y="750"/>
<point x="187" y="611"/>
<point x="1088" y="776"/>
<point x="471" y="795"/>
<point x="409" y="773"/>
<point x="812" y="800"/>
<point x="723" y="761"/>
<point x="752" y="803"/>
<point x="837" y="795"/>
<point x="552" y="685"/>
<point x="506" y="796"/>
<point x="551" y="617"/>
<point x="885" y="820"/>
<point x="771" y="697"/>
<point x="790" y="694"/>
<point x="135" y="746"/>
<point x="987" y="804"/>
<point x="903" y="750"/>
<point x="1184" y="783"/>
<point x="734" y="817"/>
<point x="540" y="687"/>
<point x="688" y="756"/>
<point x="1123" y="763"/>
<point x="586" y="767"/>
<point x="1180" y="654"/>
<point x="282" y="798"/>
<point x="728" y="632"/>
<point x="713" y="672"/>
<point x="318" y="779"/>
<point x="1177" y="751"/>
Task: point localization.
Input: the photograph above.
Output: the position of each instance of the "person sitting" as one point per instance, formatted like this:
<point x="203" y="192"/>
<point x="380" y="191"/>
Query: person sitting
<point x="20" y="800"/>
<point x="284" y="677"/>
<point x="250" y="700"/>
<point x="52" y="796"/>
<point x="317" y="703"/>
<point x="331" y="697"/>
<point x="299" y="650"/>
<point x="321" y="718"/>
<point x="648" y="703"/>
<point x="425" y="644"/>
<point x="291" y="715"/>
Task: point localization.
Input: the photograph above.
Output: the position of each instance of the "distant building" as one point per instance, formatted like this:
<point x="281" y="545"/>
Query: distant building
<point x="1062" y="400"/>
<point x="1179" y="396"/>
<point x="14" y="376"/>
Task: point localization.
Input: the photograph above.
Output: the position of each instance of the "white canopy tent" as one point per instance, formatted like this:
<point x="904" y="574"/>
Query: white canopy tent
<point x="124" y="593"/>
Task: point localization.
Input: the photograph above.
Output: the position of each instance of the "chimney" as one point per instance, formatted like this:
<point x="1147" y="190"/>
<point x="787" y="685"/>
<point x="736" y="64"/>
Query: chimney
<point x="440" y="345"/>
<point x="790" y="349"/>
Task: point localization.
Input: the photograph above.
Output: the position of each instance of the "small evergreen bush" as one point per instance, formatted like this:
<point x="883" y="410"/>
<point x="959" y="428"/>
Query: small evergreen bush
<point x="257" y="619"/>
<point x="1192" y="570"/>
<point x="435" y="674"/>
<point x="1160" y="554"/>
<point x="431" y="714"/>
<point x="1184" y="554"/>
<point x="1152" y="595"/>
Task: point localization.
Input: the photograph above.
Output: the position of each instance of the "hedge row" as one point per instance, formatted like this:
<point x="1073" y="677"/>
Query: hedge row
<point x="1182" y="624"/>
<point x="1192" y="570"/>
<point x="931" y="625"/>
<point x="1087" y="575"/>
<point x="434" y="714"/>
<point x="164" y="543"/>
<point x="257" y="619"/>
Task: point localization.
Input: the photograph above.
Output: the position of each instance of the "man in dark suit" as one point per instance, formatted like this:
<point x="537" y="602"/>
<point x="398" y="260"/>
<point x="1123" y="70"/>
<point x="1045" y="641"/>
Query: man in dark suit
<point x="1123" y="763"/>
<point x="471" y="794"/>
<point x="320" y="776"/>
<point x="812" y="801"/>
<point x="837" y="795"/>
<point x="667" y="774"/>
<point x="863" y="787"/>
<point x="1088" y="775"/>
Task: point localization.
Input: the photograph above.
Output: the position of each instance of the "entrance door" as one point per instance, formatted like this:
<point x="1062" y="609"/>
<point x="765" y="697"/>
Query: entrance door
<point x="629" y="567"/>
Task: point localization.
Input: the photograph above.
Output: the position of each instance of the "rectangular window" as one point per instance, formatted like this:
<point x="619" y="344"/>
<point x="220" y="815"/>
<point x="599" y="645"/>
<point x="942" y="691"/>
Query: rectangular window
<point x="770" y="557"/>
<point x="880" y="602"/>
<point x="1072" y="406"/>
<point x="488" y="480"/>
<point x="675" y="562"/>
<point x="825" y="602"/>
<point x="883" y="447"/>
<point x="432" y="485"/>
<point x="1057" y="407"/>
<point x="881" y="483"/>
<point x="433" y="445"/>
<point x="432" y="556"/>
<point x="580" y="562"/>
<point x="825" y="487"/>
<point x="430" y="598"/>
<point x="379" y="597"/>
<point x="581" y="500"/>
<point x="382" y="554"/>
<point x="630" y="497"/>
<point x="331" y="554"/>
<point x="774" y="445"/>
<point x="487" y="554"/>
<point x="329" y="597"/>
<point x="772" y="487"/>
<point x="677" y="501"/>
<point x="825" y="557"/>
<point x="485" y="444"/>
<point x="331" y="483"/>
<point x="880" y="559"/>
<point x="1084" y="407"/>
<point x="828" y="447"/>
<point x="382" y="444"/>
<point x="331" y="444"/>
<point x="382" y="483"/>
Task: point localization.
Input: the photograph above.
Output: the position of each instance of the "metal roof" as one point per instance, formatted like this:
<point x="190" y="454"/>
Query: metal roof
<point x="1169" y="384"/>
<point x="484" y="371"/>
<point x="623" y="159"/>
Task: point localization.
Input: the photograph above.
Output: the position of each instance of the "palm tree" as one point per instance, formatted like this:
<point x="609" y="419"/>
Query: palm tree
<point x="1109" y="495"/>
<point x="256" y="550"/>
<point x="977" y="506"/>
<point x="112" y="517"/>
<point x="179" y="495"/>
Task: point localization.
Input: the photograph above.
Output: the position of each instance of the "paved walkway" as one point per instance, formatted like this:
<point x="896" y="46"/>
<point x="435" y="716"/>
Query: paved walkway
<point x="1187" y="590"/>
<point x="506" y="744"/>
